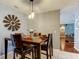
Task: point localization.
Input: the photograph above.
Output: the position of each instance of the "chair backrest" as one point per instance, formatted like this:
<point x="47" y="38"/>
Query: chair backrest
<point x="17" y="40"/>
<point x="49" y="41"/>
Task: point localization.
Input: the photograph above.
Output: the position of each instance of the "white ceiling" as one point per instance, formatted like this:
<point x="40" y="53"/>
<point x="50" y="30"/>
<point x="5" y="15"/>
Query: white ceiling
<point x="39" y="5"/>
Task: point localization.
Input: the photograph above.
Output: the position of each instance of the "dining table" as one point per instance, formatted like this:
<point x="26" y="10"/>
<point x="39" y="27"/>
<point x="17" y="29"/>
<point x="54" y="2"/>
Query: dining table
<point x="37" y="42"/>
<point x="34" y="41"/>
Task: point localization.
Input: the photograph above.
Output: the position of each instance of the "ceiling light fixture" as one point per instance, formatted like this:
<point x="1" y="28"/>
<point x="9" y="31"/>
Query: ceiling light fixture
<point x="32" y="14"/>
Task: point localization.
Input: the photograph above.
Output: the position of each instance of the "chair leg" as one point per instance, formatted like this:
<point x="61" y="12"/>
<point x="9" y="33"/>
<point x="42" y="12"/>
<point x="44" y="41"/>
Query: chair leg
<point x="52" y="48"/>
<point x="47" y="54"/>
<point x="22" y="56"/>
<point x="14" y="55"/>
<point x="50" y="52"/>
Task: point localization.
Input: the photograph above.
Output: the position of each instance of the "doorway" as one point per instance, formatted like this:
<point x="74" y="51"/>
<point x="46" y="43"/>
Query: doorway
<point x="67" y="38"/>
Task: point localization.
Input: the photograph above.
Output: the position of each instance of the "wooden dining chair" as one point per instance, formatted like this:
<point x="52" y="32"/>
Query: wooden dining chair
<point x="20" y="48"/>
<point x="48" y="47"/>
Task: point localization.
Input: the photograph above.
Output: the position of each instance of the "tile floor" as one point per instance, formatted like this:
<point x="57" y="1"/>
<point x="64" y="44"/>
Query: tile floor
<point x="57" y="55"/>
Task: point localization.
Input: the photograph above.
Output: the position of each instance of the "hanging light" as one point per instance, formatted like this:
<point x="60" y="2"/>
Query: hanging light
<point x="32" y="14"/>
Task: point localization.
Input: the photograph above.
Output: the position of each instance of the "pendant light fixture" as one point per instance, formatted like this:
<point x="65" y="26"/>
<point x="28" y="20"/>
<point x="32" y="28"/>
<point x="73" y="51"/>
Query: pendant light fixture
<point x="32" y="14"/>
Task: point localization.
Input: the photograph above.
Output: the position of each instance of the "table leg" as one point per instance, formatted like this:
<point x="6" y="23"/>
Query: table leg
<point x="39" y="51"/>
<point x="6" y="48"/>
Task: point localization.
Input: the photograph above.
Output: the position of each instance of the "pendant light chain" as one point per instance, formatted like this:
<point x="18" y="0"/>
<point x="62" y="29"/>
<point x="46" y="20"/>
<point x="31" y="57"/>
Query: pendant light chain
<point x="32" y="6"/>
<point x="31" y="16"/>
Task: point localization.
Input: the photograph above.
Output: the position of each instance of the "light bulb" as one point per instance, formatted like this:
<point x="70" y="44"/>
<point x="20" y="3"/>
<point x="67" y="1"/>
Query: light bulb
<point x="31" y="16"/>
<point x="31" y="30"/>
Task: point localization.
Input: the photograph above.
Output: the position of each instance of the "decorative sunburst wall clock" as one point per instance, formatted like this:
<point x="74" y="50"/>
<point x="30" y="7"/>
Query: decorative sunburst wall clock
<point x="12" y="22"/>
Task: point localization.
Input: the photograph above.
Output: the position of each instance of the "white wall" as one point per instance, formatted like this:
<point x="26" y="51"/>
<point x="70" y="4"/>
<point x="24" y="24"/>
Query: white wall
<point x="4" y="11"/>
<point x="66" y="17"/>
<point x="76" y="40"/>
<point x="48" y="22"/>
<point x="76" y="29"/>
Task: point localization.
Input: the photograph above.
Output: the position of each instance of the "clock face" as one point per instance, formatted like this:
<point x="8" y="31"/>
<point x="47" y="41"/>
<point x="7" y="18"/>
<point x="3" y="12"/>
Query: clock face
<point x="12" y="22"/>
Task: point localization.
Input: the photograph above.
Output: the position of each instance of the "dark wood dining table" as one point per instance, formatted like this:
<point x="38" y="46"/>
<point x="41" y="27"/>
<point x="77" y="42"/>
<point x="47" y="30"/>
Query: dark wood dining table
<point x="38" y="42"/>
